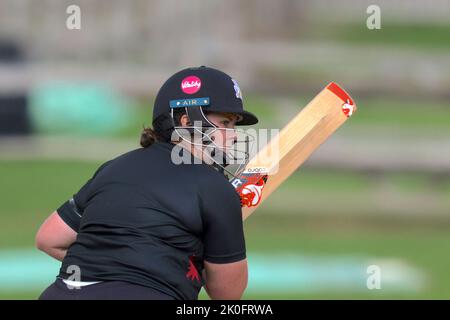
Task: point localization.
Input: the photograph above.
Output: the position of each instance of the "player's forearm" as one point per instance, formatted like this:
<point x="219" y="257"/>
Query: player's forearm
<point x="57" y="253"/>
<point x="217" y="290"/>
<point x="225" y="293"/>
<point x="54" y="237"/>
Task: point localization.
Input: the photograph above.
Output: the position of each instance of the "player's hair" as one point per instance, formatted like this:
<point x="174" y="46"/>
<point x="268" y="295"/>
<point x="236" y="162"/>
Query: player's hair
<point x="161" y="131"/>
<point x="148" y="137"/>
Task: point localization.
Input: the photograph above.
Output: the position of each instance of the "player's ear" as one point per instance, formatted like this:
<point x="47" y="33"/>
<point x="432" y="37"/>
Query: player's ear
<point x="184" y="121"/>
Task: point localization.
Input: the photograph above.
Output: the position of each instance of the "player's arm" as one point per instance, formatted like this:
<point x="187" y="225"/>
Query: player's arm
<point x="54" y="237"/>
<point x="60" y="229"/>
<point x="226" y="281"/>
<point x="225" y="263"/>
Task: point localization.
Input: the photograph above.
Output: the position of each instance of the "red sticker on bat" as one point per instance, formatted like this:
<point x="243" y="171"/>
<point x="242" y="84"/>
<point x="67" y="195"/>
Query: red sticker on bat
<point x="334" y="87"/>
<point x="348" y="108"/>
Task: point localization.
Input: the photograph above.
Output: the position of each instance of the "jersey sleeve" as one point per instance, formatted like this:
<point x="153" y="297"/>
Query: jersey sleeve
<point x="72" y="210"/>
<point x="223" y="233"/>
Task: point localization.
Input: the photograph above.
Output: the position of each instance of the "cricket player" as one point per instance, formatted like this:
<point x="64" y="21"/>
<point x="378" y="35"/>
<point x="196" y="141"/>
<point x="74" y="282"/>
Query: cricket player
<point x="149" y="226"/>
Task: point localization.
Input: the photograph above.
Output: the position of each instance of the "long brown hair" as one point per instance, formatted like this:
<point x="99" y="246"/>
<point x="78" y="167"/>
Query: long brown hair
<point x="161" y="130"/>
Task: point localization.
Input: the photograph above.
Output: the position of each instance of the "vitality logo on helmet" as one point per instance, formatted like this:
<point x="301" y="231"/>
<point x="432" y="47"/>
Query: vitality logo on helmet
<point x="191" y="84"/>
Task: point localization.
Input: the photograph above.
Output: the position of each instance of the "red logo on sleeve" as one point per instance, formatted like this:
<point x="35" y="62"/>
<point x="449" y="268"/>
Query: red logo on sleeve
<point x="192" y="273"/>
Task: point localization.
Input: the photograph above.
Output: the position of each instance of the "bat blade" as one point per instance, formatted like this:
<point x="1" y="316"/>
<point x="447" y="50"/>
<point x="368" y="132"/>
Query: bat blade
<point x="287" y="151"/>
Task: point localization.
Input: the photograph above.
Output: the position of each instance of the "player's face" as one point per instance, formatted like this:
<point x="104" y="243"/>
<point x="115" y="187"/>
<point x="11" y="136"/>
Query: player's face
<point x="223" y="138"/>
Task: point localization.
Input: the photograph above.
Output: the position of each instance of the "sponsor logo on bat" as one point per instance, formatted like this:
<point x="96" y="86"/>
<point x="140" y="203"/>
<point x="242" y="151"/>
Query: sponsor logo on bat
<point x="256" y="170"/>
<point x="348" y="108"/>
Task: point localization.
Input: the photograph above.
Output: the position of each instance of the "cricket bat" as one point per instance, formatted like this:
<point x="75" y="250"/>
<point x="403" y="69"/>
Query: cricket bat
<point x="287" y="151"/>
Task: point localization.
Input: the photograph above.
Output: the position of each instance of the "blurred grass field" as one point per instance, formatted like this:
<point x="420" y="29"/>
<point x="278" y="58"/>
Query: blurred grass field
<point x="33" y="189"/>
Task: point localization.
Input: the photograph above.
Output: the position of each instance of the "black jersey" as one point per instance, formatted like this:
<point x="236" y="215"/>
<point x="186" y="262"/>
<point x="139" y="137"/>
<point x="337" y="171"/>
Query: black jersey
<point x="145" y="220"/>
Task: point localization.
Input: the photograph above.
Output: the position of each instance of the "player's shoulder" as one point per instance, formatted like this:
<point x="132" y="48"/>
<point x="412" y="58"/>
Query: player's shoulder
<point x="122" y="158"/>
<point x="102" y="167"/>
<point x="212" y="182"/>
<point x="127" y="158"/>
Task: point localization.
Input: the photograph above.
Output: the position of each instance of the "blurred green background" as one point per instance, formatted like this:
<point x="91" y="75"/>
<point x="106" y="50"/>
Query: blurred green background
<point x="376" y="193"/>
